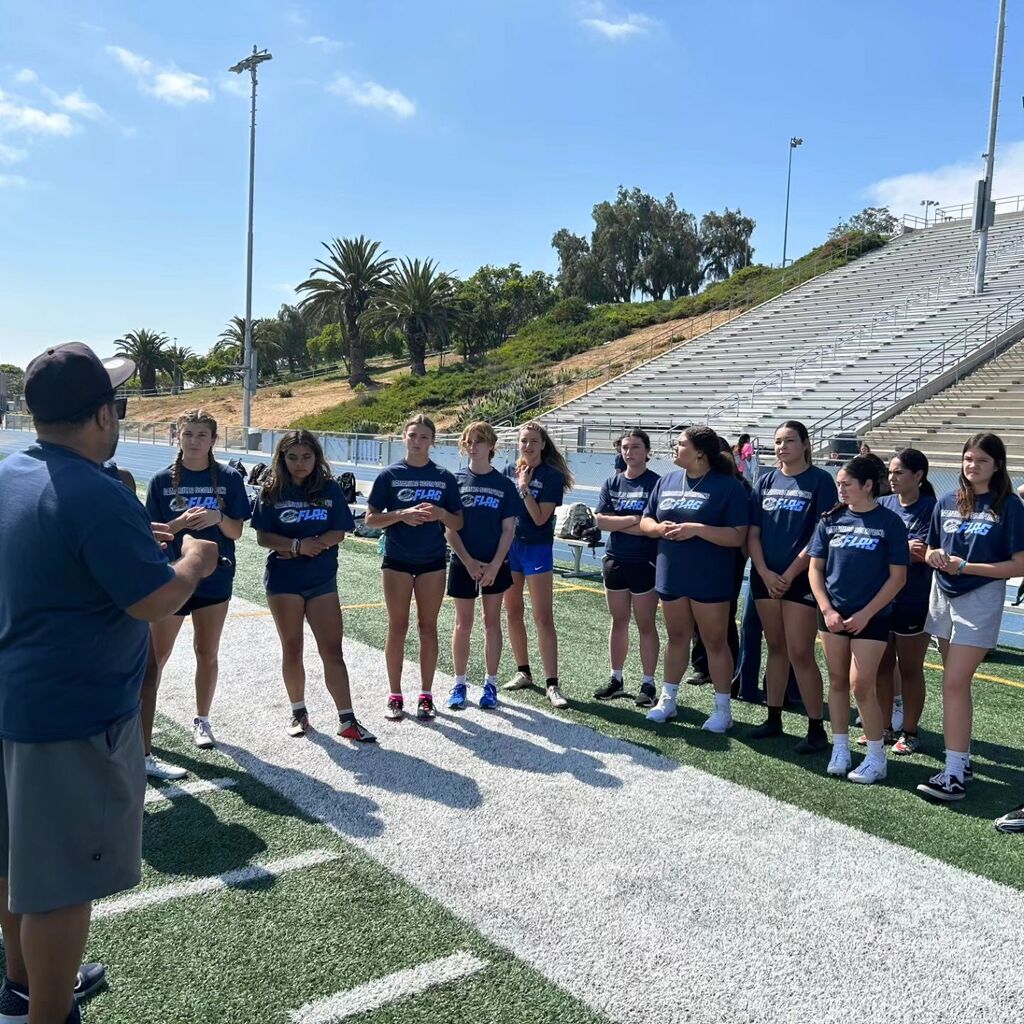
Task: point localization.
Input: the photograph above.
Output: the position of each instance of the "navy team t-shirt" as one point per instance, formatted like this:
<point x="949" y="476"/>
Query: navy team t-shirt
<point x="621" y="496"/>
<point x="917" y="519"/>
<point x="195" y="489"/>
<point x="488" y="499"/>
<point x="696" y="568"/>
<point x="546" y="484"/>
<point x="402" y="486"/>
<point x="76" y="551"/>
<point x="858" y="548"/>
<point x="293" y="515"/>
<point x="985" y="537"/>
<point x="786" y="509"/>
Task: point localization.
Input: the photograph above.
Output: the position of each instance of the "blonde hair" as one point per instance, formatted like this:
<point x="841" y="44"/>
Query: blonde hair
<point x="193" y="416"/>
<point x="420" y="420"/>
<point x="550" y="455"/>
<point x="479" y="431"/>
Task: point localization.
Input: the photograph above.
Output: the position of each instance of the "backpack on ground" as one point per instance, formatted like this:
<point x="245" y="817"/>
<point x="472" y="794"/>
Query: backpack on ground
<point x="347" y="483"/>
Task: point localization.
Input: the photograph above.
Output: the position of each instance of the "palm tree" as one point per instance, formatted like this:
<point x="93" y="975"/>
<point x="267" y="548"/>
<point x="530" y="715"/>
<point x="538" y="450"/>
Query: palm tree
<point x="176" y="356"/>
<point x="146" y="349"/>
<point x="419" y="301"/>
<point x="342" y="288"/>
<point x="231" y="343"/>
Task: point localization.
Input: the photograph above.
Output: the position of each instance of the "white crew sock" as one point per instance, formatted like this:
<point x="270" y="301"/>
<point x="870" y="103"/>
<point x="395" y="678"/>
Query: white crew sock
<point x="647" y="680"/>
<point x="492" y="680"/>
<point x="955" y="761"/>
<point x="841" y="741"/>
<point x="876" y="750"/>
<point x="722" y="701"/>
<point x="298" y="705"/>
<point x="460" y="680"/>
<point x="669" y="691"/>
<point x="617" y="674"/>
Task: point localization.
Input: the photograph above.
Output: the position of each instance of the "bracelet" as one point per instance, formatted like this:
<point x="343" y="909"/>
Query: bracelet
<point x="524" y="492"/>
<point x="296" y="543"/>
<point x="960" y="568"/>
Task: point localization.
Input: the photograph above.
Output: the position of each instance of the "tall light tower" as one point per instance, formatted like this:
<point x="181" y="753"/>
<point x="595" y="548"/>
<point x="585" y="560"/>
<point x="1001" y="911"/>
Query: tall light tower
<point x="249" y="64"/>
<point x="984" y="210"/>
<point x="793" y="143"/>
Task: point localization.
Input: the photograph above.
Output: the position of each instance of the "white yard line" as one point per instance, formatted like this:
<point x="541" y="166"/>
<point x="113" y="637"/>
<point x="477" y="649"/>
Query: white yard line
<point x="142" y="898"/>
<point x="155" y="795"/>
<point x="715" y="903"/>
<point x="381" y="991"/>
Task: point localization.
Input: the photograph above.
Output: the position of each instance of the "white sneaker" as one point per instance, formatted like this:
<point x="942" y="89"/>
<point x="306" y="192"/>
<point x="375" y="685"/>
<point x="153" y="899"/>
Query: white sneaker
<point x="202" y="734"/>
<point x="520" y="681"/>
<point x="157" y="769"/>
<point x="868" y="771"/>
<point x="840" y="763"/>
<point x="719" y="721"/>
<point x="663" y="710"/>
<point x="556" y="698"/>
<point x="897" y="715"/>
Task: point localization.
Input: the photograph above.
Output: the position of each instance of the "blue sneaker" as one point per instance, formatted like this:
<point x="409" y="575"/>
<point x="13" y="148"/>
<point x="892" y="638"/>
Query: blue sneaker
<point x="457" y="697"/>
<point x="489" y="698"/>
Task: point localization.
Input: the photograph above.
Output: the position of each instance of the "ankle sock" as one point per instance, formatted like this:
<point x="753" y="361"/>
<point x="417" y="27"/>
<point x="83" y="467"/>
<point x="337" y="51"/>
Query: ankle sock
<point x="551" y="681"/>
<point x="815" y="727"/>
<point x="774" y="716"/>
<point x="955" y="761"/>
<point x="876" y="750"/>
<point x="722" y="701"/>
<point x="525" y="669"/>
<point x="491" y="680"/>
<point x="617" y="674"/>
<point x="427" y="694"/>
<point x="298" y="705"/>
<point x="670" y="690"/>
<point x="346" y="715"/>
<point x="841" y="741"/>
<point x="460" y="680"/>
<point x="647" y="681"/>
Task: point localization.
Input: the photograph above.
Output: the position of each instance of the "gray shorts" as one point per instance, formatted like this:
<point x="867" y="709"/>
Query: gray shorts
<point x="972" y="619"/>
<point x="71" y="818"/>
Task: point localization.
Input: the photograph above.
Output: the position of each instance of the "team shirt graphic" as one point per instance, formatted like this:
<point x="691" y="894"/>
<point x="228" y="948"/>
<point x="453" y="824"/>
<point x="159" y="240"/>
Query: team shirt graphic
<point x="786" y="509"/>
<point x="487" y="499"/>
<point x="623" y="497"/>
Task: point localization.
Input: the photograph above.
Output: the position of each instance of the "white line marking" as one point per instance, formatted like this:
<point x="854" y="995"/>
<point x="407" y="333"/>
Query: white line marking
<point x="154" y="796"/>
<point x="252" y="873"/>
<point x="400" y="985"/>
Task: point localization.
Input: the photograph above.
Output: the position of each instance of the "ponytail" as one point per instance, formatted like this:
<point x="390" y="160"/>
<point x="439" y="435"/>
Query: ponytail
<point x="917" y="462"/>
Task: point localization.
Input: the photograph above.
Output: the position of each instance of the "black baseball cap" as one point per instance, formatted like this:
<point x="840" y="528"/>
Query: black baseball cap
<point x="66" y="381"/>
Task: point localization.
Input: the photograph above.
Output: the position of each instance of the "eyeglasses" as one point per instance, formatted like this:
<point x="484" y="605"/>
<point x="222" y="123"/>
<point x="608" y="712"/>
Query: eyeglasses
<point x="121" y="407"/>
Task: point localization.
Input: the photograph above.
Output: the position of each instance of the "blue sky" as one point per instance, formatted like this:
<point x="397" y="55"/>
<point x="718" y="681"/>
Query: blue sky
<point x="464" y="130"/>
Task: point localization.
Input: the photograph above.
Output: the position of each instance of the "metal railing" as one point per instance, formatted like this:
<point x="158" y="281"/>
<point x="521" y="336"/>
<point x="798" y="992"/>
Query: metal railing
<point x="962" y="211"/>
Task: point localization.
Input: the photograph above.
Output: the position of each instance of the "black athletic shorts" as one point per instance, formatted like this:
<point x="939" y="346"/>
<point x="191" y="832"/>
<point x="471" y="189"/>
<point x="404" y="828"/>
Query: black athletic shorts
<point x="877" y="628"/>
<point x="461" y="584"/>
<point x="413" y="569"/>
<point x="636" y="577"/>
<point x="799" y="590"/>
<point x="193" y="604"/>
<point x="909" y="620"/>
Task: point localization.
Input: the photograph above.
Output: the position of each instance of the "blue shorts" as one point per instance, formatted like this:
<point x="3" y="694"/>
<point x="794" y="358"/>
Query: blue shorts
<point x="531" y="559"/>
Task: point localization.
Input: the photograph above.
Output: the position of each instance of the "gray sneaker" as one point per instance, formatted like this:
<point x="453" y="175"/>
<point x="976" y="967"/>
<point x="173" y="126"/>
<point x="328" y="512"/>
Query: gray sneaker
<point x="520" y="681"/>
<point x="157" y="769"/>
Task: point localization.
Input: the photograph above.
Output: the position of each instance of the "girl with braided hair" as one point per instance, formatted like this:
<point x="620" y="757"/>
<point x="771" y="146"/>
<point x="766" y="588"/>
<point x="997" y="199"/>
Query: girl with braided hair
<point x="196" y="495"/>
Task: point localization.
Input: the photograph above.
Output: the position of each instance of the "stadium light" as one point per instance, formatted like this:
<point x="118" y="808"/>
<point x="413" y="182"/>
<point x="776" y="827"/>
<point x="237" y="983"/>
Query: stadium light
<point x="793" y="143"/>
<point x="927" y="203"/>
<point x="249" y="64"/>
<point x="984" y="208"/>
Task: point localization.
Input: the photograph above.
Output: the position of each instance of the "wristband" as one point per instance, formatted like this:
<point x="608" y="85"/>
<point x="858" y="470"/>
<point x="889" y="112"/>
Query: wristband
<point x="960" y="568"/>
<point x="524" y="492"/>
<point x="295" y="546"/>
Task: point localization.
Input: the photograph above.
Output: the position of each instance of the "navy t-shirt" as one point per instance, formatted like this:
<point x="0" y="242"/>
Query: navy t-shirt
<point x="621" y="496"/>
<point x="402" y="486"/>
<point x="196" y="489"/>
<point x="488" y="499"/>
<point x="786" y="509"/>
<point x="546" y="484"/>
<point x="984" y="537"/>
<point x="76" y="550"/>
<point x="696" y="568"/>
<point x="917" y="519"/>
<point x="858" y="548"/>
<point x="296" y="515"/>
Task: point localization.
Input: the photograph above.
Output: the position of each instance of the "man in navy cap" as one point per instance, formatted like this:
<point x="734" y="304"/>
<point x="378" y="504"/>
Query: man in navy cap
<point x="81" y="578"/>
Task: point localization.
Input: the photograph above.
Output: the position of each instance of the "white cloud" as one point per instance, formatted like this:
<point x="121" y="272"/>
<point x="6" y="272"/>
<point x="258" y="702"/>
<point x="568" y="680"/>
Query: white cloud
<point x="168" y="84"/>
<point x="26" y="76"/>
<point x="16" y="116"/>
<point x="11" y="154"/>
<point x="372" y="95"/>
<point x="76" y="103"/>
<point x="12" y="181"/>
<point x="631" y="25"/>
<point x="325" y="43"/>
<point x="951" y="184"/>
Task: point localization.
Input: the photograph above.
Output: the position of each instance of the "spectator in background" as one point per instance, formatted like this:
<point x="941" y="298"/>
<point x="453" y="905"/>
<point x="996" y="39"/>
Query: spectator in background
<point x="743" y="456"/>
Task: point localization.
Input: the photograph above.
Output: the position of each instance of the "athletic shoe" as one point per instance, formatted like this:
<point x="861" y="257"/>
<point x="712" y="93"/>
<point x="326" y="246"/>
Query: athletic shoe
<point x="613" y="689"/>
<point x="520" y="681"/>
<point x="897" y="714"/>
<point x="839" y="763"/>
<point x="457" y="697"/>
<point x="425" y="707"/>
<point x="869" y="771"/>
<point x="90" y="978"/>
<point x="946" y="788"/>
<point x="300" y="723"/>
<point x="718" y="721"/>
<point x="698" y="679"/>
<point x="395" y="707"/>
<point x="888" y="738"/>
<point x="812" y="743"/>
<point x="908" y="743"/>
<point x="647" y="697"/>
<point x="13" y="1005"/>
<point x="489" y="698"/>
<point x="663" y="711"/>
<point x="968" y="772"/>
<point x="350" y="729"/>
<point x="766" y="730"/>
<point x="202" y="734"/>
<point x="157" y="769"/>
<point x="1012" y="821"/>
<point x="556" y="698"/>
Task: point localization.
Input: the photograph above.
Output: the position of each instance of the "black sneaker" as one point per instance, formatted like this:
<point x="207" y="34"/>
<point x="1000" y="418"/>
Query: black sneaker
<point x="647" y="697"/>
<point x="812" y="743"/>
<point x="91" y="977"/>
<point x="14" y="1000"/>
<point x="13" y="1005"/>
<point x="425" y="707"/>
<point x="612" y="690"/>
<point x="1012" y="821"/>
<point x="968" y="772"/>
<point x="947" y="788"/>
<point x="698" y="679"/>
<point x="766" y="730"/>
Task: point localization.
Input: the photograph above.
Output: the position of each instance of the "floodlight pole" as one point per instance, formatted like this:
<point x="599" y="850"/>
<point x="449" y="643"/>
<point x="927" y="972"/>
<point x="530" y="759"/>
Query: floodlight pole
<point x="793" y="143"/>
<point x="248" y="355"/>
<point x="985" y="195"/>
